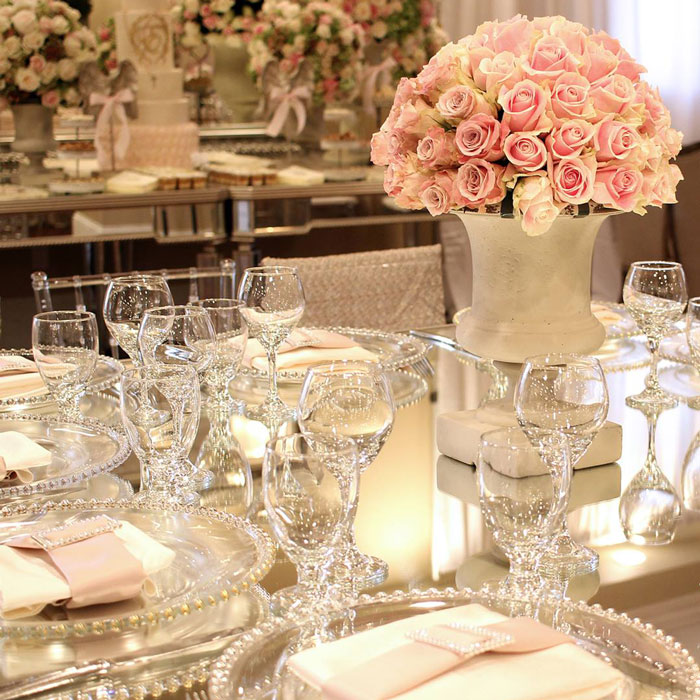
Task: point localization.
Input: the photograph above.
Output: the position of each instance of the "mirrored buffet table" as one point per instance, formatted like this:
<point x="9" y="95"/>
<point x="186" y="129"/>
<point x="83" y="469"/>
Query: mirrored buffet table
<point x="418" y="511"/>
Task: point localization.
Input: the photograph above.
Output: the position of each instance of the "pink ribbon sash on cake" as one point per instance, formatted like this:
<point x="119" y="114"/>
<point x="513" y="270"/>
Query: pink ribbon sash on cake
<point x="112" y="106"/>
<point x="284" y="101"/>
<point x="372" y="80"/>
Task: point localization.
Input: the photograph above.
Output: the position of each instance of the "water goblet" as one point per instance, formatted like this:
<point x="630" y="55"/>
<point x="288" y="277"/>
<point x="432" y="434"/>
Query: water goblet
<point x="162" y="435"/>
<point x="126" y="301"/>
<point x="230" y="336"/>
<point x="350" y="399"/>
<point x="569" y="394"/>
<point x="65" y="344"/>
<point x="273" y="304"/>
<point x="307" y="496"/>
<point x="522" y="514"/>
<point x="692" y="334"/>
<point x="655" y="295"/>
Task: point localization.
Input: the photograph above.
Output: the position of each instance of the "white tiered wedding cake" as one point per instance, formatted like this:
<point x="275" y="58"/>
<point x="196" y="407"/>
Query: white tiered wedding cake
<point x="162" y="134"/>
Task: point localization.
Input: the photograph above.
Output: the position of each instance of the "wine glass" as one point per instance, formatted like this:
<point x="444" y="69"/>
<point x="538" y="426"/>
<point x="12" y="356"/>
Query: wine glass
<point x="690" y="475"/>
<point x="126" y="300"/>
<point x="273" y="304"/>
<point x="307" y="496"/>
<point x="230" y="336"/>
<point x="64" y="344"/>
<point x="569" y="394"/>
<point x="692" y="333"/>
<point x="523" y="513"/>
<point x="349" y="399"/>
<point x="162" y="435"/>
<point x="655" y="295"/>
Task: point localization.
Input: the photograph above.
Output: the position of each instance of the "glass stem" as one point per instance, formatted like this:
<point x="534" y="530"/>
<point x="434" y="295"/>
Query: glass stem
<point x="69" y="408"/>
<point x="272" y="374"/>
<point x="652" y="380"/>
<point x="522" y="570"/>
<point x="650" y="462"/>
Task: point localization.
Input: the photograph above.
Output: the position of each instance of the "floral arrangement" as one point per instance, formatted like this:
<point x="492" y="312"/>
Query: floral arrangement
<point x="107" y="48"/>
<point x="42" y="45"/>
<point x="321" y="32"/>
<point x="197" y="21"/>
<point x="543" y="111"/>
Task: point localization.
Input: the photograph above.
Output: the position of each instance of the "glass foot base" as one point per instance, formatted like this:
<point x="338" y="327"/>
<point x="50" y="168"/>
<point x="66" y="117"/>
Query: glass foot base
<point x="203" y="479"/>
<point x="651" y="401"/>
<point x="271" y="413"/>
<point x="358" y="571"/>
<point x="567" y="558"/>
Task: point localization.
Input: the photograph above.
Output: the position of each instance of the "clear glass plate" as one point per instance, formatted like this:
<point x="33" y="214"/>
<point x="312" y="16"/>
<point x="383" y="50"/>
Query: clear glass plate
<point x="394" y="351"/>
<point x="253" y="667"/>
<point x="106" y="375"/>
<point x="675" y="348"/>
<point x="622" y="354"/>
<point x="79" y="451"/>
<point x="217" y="556"/>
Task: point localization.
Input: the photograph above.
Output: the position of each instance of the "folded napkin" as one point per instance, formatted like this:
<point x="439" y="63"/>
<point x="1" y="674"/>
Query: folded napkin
<point x="19" y="377"/>
<point x="88" y="562"/>
<point x="383" y="663"/>
<point x="19" y="455"/>
<point x="304" y="347"/>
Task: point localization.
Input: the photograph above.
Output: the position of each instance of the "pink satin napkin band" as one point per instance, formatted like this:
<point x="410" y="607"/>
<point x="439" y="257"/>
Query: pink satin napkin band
<point x="416" y="662"/>
<point x="93" y="560"/>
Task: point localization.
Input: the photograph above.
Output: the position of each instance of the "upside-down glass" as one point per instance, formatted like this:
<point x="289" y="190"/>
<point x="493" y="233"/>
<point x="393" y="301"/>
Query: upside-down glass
<point x="569" y="394"/>
<point x="65" y="345"/>
<point x="307" y="496"/>
<point x="655" y="295"/>
<point x="126" y="301"/>
<point x="692" y="334"/>
<point x="522" y="514"/>
<point x="273" y="304"/>
<point x="231" y="335"/>
<point x="162" y="435"/>
<point x="350" y="399"/>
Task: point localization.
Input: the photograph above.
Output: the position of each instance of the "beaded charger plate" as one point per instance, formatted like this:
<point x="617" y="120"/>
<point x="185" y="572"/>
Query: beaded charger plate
<point x="254" y="666"/>
<point x="106" y="375"/>
<point x="217" y="556"/>
<point x="79" y="451"/>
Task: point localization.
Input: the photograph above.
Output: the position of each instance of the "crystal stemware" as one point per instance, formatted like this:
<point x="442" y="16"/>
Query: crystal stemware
<point x="350" y="399"/>
<point x="650" y="507"/>
<point x="162" y="435"/>
<point x="273" y="304"/>
<point x="65" y="344"/>
<point x="655" y="295"/>
<point x="126" y="301"/>
<point x="523" y="513"/>
<point x="692" y="334"/>
<point x="690" y="475"/>
<point x="230" y="335"/>
<point x="307" y="496"/>
<point x="569" y="394"/>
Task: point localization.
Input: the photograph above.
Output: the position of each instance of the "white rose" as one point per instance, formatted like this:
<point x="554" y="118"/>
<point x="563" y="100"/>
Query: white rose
<point x="13" y="46"/>
<point x="59" y="25"/>
<point x="221" y="5"/>
<point x="49" y="72"/>
<point x="347" y="36"/>
<point x="379" y="29"/>
<point x="67" y="69"/>
<point x="324" y="31"/>
<point x="72" y="14"/>
<point x="24" y="21"/>
<point x="71" y="96"/>
<point x="191" y="29"/>
<point x="33" y="41"/>
<point x="191" y="6"/>
<point x="26" y="79"/>
<point x="4" y="66"/>
<point x="4" y="24"/>
<point x="72" y="45"/>
<point x="299" y="43"/>
<point x="363" y="11"/>
<point x="295" y="25"/>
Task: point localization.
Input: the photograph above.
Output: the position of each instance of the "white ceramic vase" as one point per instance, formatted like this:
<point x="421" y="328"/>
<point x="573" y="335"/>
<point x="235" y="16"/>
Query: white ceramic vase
<point x="530" y="294"/>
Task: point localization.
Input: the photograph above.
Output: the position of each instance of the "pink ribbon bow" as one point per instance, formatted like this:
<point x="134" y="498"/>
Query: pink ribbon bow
<point x="283" y="102"/>
<point x="112" y="106"/>
<point x="372" y="80"/>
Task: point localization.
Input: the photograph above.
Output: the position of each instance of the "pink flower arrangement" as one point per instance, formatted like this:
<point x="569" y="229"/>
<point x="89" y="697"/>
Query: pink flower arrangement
<point x="543" y="111"/>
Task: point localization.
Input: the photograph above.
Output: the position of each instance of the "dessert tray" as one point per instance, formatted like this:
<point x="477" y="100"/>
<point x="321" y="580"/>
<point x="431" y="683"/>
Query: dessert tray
<point x="106" y="375"/>
<point x="217" y="556"/>
<point x="254" y="666"/>
<point x="78" y="451"/>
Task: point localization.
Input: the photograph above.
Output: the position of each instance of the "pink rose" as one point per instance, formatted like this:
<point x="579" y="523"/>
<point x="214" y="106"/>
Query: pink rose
<point x="408" y="195"/>
<point x="513" y="35"/>
<point x="437" y="193"/>
<point x="626" y="66"/>
<point x="618" y="186"/>
<point x="480" y="182"/>
<point x="550" y="58"/>
<point x="481" y="136"/>
<point x="37" y="63"/>
<point x="437" y="148"/>
<point x="570" y="97"/>
<point x="615" y="140"/>
<point x="573" y="179"/>
<point x="526" y="151"/>
<point x="400" y="142"/>
<point x="392" y="180"/>
<point x="671" y="140"/>
<point x="599" y="63"/>
<point x="210" y="22"/>
<point x="379" y="148"/>
<point x="459" y="102"/>
<point x="657" y="116"/>
<point x="205" y="10"/>
<point x="46" y="26"/>
<point x="405" y="90"/>
<point x="613" y="95"/>
<point x="523" y="106"/>
<point x="415" y="118"/>
<point x="50" y="99"/>
<point x="569" y="140"/>
<point x="573" y="34"/>
<point x="659" y="187"/>
<point x="534" y="202"/>
<point x="501" y="69"/>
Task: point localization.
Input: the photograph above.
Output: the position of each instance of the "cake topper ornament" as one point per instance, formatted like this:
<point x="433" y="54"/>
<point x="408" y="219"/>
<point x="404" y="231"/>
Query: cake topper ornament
<point x="110" y="100"/>
<point x="284" y="94"/>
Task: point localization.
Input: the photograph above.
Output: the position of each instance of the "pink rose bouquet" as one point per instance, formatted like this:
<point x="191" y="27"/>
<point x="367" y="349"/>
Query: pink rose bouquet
<point x="544" y="112"/>
<point x="318" y="31"/>
<point x="42" y="46"/>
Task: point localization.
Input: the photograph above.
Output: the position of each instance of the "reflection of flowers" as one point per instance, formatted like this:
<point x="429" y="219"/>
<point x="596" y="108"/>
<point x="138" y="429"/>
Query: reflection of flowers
<point x="317" y="31"/>
<point x="545" y="109"/>
<point x="42" y="45"/>
<point x="197" y="21"/>
<point x="107" y="48"/>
